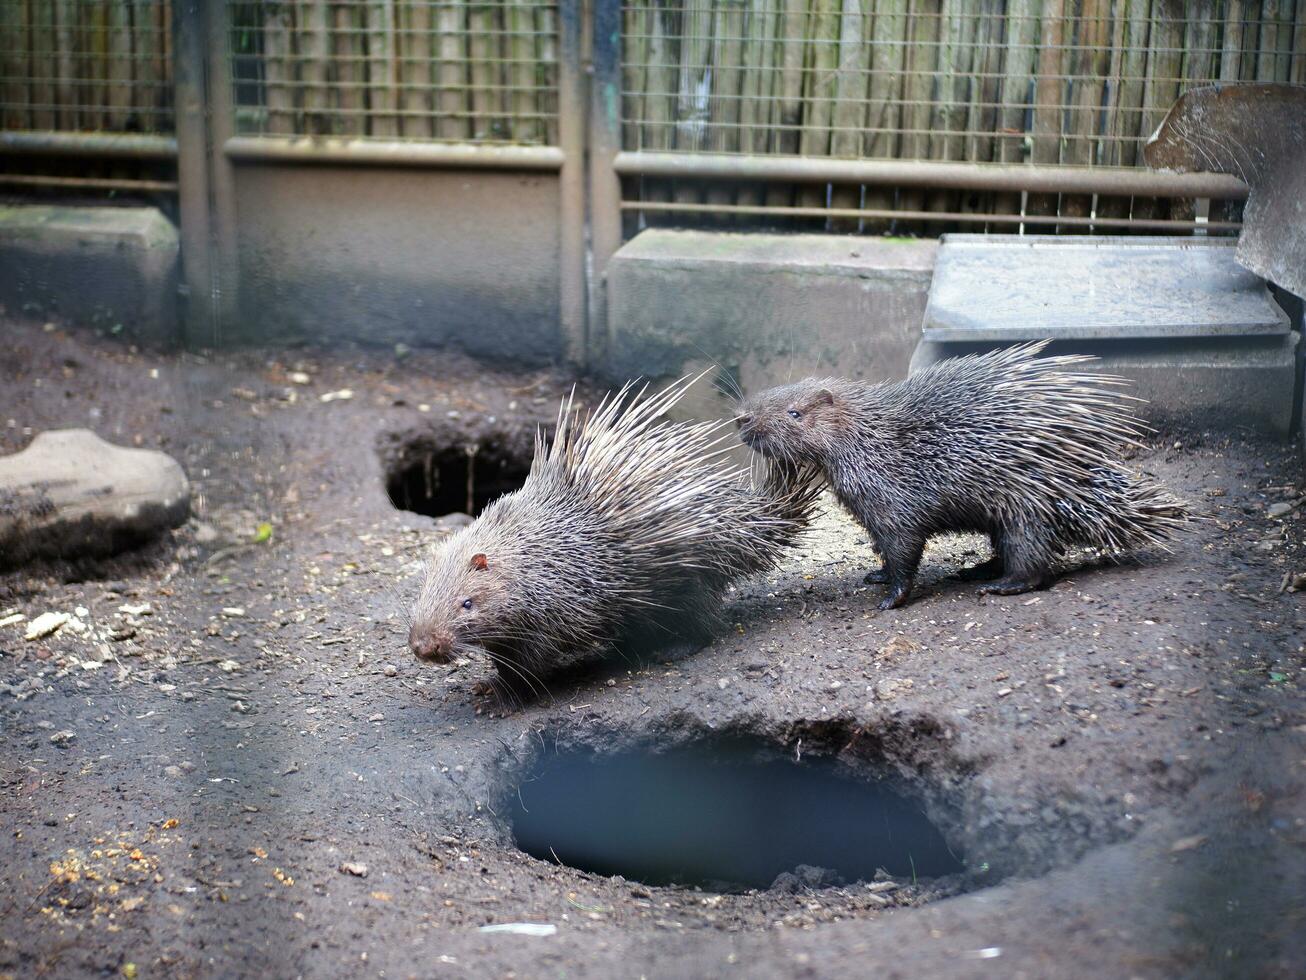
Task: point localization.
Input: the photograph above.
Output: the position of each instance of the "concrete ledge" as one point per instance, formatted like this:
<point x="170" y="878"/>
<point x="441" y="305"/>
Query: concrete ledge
<point x="115" y="268"/>
<point x="766" y="307"/>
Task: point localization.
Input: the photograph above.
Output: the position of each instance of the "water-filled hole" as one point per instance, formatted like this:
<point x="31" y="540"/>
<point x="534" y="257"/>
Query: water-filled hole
<point x="725" y="815"/>
<point x="457" y="479"/>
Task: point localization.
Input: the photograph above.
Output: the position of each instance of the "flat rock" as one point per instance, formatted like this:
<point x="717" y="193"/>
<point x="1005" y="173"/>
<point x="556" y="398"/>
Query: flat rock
<point x="71" y="494"/>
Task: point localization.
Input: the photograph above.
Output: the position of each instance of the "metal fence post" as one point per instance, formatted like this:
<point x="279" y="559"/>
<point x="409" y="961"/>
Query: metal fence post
<point x="605" y="143"/>
<point x="571" y="140"/>
<point x="206" y="203"/>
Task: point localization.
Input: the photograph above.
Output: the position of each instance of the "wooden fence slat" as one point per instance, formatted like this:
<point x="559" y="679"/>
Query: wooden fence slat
<point x="14" y="91"/>
<point x="382" y="69"/>
<point x="818" y="91"/>
<point x="918" y="90"/>
<point x="1297" y="67"/>
<point x="1090" y="62"/>
<point x="451" y="102"/>
<point x="313" y="59"/>
<point x="1129" y="59"/>
<point x="1021" y="34"/>
<point x="850" y="89"/>
<point x="884" y="113"/>
<point x="727" y="86"/>
<point x="1049" y="95"/>
<point x="985" y="88"/>
<point x="952" y="93"/>
<point x="1161" y="84"/>
<point x="546" y="69"/>
<point x="43" y="69"/>
<point x="415" y="47"/>
<point x="788" y="103"/>
<point x="119" y="54"/>
<point x="634" y="71"/>
<point x="279" y="71"/>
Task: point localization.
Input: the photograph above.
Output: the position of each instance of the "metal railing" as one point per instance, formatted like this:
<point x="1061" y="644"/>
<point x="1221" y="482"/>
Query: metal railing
<point x="412" y="70"/>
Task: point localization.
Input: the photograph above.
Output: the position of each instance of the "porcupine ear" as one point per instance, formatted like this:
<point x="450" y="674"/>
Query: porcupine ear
<point x="823" y="397"/>
<point x="479" y="562"/>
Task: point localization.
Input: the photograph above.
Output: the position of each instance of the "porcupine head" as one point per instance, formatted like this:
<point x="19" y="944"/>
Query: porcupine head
<point x="799" y="423"/>
<point x="477" y="598"/>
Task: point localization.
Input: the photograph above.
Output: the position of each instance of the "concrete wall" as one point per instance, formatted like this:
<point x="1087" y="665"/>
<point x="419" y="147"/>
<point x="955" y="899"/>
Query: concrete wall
<point x="113" y="268"/>
<point x="765" y="307"/>
<point x="381" y="255"/>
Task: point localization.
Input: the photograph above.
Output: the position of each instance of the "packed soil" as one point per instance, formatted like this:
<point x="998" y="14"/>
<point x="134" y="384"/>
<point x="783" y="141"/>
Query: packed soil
<point x="227" y="764"/>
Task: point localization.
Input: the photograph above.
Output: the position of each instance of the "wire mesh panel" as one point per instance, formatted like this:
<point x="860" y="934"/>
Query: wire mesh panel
<point x="485" y="72"/>
<point x="1074" y="82"/>
<point x="86" y="65"/>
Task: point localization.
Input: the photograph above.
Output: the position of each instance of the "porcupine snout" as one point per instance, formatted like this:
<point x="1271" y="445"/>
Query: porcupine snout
<point x="430" y="645"/>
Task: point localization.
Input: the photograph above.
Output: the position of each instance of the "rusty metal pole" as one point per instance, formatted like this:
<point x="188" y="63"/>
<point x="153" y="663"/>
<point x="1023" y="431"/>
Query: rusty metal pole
<point x="190" y="80"/>
<point x="572" y="293"/>
<point x="222" y="127"/>
<point x="605" y="144"/>
<point x="206" y="202"/>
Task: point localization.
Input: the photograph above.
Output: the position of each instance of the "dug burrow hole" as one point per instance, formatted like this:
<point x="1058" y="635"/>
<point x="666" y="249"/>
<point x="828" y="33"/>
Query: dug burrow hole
<point x="462" y="475"/>
<point x="725" y="814"/>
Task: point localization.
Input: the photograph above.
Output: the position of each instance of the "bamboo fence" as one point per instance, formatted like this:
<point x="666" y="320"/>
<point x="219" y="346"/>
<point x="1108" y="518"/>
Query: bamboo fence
<point x="462" y="70"/>
<point x="86" y="65"/>
<point x="1074" y="82"/>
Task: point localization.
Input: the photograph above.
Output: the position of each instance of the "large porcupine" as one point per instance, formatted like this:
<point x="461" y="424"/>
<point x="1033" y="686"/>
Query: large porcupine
<point x="625" y="535"/>
<point x="1006" y="443"/>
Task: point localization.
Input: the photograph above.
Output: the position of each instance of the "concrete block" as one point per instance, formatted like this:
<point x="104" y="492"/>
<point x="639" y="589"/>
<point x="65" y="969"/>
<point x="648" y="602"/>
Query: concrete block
<point x="1202" y="338"/>
<point x="115" y="268"/>
<point x="767" y="308"/>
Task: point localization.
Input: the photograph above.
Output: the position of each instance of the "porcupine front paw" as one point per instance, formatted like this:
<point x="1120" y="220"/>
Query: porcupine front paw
<point x="896" y="598"/>
<point x="876" y="576"/>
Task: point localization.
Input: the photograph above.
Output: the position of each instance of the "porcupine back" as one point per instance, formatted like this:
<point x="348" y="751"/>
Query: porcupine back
<point x="1015" y="435"/>
<point x="627" y="528"/>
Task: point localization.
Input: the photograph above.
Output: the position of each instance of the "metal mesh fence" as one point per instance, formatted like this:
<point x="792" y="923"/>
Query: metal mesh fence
<point x="1056" y="81"/>
<point x="397" y="69"/>
<point x="86" y="66"/>
<point x="1053" y="82"/>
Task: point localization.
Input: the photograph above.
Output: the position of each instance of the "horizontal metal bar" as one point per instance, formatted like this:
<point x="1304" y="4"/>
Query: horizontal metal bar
<point x="1113" y="181"/>
<point x="391" y="153"/>
<point x="108" y="145"/>
<point x="89" y="183"/>
<point x="971" y="216"/>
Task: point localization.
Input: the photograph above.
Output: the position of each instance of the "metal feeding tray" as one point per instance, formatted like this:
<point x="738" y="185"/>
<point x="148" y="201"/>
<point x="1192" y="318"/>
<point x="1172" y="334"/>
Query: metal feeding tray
<point x="1201" y="337"/>
<point x="1068" y="288"/>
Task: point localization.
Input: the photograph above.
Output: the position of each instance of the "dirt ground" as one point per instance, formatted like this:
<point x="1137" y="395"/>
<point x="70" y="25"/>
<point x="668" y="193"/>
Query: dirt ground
<point x="234" y="768"/>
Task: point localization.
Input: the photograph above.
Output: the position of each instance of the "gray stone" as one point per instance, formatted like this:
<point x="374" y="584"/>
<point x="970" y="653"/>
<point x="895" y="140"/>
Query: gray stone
<point x="70" y="493"/>
<point x="765" y="307"/>
<point x="1202" y="338"/>
<point x="115" y="268"/>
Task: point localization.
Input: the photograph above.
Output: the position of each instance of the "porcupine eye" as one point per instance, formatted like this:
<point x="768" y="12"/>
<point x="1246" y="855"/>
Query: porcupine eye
<point x="795" y="414"/>
<point x="467" y="603"/>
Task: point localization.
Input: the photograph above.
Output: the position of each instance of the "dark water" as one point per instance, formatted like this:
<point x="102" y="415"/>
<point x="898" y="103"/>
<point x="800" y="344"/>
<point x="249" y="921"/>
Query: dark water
<point x="725" y="815"/>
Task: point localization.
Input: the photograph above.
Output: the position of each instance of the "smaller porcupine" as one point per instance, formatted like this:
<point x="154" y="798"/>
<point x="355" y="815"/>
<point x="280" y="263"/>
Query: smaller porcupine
<point x="625" y="535"/>
<point x="1008" y="444"/>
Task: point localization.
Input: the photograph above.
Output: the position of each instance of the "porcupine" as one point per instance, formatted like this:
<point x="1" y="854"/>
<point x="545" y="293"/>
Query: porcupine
<point x="625" y="535"/>
<point x="1010" y="444"/>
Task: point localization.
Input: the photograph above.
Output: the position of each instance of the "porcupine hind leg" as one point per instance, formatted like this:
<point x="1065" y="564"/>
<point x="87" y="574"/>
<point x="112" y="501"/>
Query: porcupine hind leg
<point x="987" y="570"/>
<point x="1027" y="552"/>
<point x="902" y="556"/>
